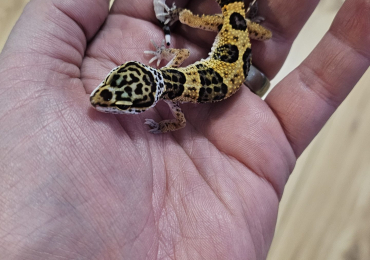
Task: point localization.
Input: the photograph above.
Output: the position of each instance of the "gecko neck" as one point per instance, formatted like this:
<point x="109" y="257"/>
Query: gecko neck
<point x="174" y="81"/>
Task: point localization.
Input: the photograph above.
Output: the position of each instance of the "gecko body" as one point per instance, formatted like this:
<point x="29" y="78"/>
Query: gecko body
<point x="134" y="87"/>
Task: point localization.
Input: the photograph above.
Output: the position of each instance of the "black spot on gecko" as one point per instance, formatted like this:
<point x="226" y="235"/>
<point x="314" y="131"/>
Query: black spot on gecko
<point x="208" y="82"/>
<point x="147" y="79"/>
<point x="134" y="70"/>
<point x="238" y="22"/>
<point x="175" y="76"/>
<point x="122" y="70"/>
<point x="166" y="76"/>
<point x="145" y="102"/>
<point x="228" y="53"/>
<point x="247" y="56"/>
<point x="224" y="88"/>
<point x="174" y="81"/>
<point x="133" y="78"/>
<point x="128" y="89"/>
<point x="106" y="95"/>
<point x="139" y="89"/>
<point x="113" y="80"/>
<point x="213" y="88"/>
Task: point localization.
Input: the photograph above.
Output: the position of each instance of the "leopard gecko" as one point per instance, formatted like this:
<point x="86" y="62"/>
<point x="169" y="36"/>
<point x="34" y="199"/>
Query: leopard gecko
<point x="134" y="87"/>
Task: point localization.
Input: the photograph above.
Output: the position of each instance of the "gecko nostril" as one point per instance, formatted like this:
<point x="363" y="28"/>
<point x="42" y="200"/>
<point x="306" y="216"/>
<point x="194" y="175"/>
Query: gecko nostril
<point x="92" y="101"/>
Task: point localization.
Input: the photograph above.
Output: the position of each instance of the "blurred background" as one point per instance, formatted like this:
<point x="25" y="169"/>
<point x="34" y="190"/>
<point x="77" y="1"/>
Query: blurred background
<point x="325" y="210"/>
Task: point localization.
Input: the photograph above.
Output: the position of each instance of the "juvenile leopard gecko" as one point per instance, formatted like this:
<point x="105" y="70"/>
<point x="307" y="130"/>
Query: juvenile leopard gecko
<point x="134" y="87"/>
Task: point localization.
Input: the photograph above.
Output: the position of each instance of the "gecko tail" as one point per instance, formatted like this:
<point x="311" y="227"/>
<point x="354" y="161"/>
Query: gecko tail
<point x="167" y="34"/>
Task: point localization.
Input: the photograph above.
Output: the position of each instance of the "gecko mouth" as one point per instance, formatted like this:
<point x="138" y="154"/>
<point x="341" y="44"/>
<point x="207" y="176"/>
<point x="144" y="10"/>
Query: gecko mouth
<point x="123" y="107"/>
<point x="123" y="104"/>
<point x="110" y="110"/>
<point x="114" y="109"/>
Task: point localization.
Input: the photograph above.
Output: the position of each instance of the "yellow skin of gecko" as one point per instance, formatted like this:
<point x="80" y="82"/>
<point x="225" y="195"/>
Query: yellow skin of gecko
<point x="133" y="87"/>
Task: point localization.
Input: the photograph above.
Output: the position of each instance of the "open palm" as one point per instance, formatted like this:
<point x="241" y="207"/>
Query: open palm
<point x="79" y="184"/>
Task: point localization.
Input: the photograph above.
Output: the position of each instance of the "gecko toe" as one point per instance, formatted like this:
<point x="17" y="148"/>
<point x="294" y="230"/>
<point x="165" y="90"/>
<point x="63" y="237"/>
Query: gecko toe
<point x="153" y="125"/>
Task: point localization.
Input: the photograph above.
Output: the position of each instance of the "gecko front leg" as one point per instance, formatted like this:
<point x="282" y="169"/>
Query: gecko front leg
<point x="175" y="56"/>
<point x="169" y="124"/>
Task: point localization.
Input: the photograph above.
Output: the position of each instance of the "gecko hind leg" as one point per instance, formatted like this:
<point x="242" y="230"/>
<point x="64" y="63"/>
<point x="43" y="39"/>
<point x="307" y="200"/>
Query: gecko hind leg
<point x="205" y="22"/>
<point x="214" y="23"/>
<point x="169" y="15"/>
<point x="252" y="12"/>
<point x="168" y="124"/>
<point x="258" y="32"/>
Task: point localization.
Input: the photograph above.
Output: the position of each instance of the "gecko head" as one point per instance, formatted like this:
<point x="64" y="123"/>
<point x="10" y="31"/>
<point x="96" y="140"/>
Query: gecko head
<point x="130" y="88"/>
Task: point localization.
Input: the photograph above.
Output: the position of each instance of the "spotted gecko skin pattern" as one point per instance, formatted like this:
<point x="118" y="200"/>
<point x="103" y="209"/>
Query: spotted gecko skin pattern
<point x="133" y="87"/>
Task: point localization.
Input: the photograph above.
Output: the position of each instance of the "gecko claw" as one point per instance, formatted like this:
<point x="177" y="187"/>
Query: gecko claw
<point x="153" y="125"/>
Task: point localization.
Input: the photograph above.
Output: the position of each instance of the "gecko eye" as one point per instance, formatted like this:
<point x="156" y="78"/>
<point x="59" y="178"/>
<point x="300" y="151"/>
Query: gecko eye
<point x="106" y="95"/>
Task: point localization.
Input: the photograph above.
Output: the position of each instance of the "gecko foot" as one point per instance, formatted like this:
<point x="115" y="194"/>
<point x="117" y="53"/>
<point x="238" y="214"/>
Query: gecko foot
<point x="153" y="125"/>
<point x="169" y="15"/>
<point x="252" y="12"/>
<point x="257" y="19"/>
<point x="158" y="53"/>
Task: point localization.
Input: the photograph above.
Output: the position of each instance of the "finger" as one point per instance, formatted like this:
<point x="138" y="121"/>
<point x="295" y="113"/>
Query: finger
<point x="285" y="19"/>
<point x="309" y="95"/>
<point x="143" y="10"/>
<point x="56" y="29"/>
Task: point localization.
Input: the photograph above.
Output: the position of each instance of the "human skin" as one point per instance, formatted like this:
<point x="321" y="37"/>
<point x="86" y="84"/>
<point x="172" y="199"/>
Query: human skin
<point x="79" y="184"/>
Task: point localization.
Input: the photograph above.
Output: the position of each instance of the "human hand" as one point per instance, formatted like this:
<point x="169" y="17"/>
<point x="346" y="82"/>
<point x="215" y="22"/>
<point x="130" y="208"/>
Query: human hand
<point x="80" y="184"/>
